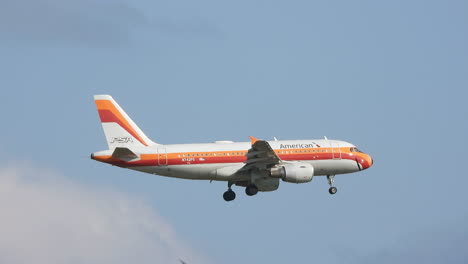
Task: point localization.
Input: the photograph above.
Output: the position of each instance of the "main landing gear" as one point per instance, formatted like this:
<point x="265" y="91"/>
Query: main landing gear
<point x="251" y="190"/>
<point x="230" y="195"/>
<point x="332" y="189"/>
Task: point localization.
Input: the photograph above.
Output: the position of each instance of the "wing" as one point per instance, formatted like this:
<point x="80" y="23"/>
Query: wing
<point x="260" y="155"/>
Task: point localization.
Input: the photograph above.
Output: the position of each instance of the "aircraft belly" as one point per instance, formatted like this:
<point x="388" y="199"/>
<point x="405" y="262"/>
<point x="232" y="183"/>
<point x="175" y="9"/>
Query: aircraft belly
<point x="159" y="170"/>
<point x="225" y="172"/>
<point x="195" y="172"/>
<point x="333" y="167"/>
<point x="217" y="172"/>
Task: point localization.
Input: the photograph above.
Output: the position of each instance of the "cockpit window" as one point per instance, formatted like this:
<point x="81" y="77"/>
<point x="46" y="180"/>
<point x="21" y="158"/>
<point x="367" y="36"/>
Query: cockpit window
<point x="354" y="149"/>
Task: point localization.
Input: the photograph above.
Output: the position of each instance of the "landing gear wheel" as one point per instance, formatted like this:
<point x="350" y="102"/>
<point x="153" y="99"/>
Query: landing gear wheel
<point x="251" y="190"/>
<point x="229" y="195"/>
<point x="332" y="189"/>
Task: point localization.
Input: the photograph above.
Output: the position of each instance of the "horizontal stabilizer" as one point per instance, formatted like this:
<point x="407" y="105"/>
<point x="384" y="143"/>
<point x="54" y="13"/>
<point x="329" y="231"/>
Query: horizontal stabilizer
<point x="124" y="154"/>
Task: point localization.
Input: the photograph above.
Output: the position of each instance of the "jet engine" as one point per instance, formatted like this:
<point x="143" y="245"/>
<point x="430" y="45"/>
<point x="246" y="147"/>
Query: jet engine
<point x="293" y="172"/>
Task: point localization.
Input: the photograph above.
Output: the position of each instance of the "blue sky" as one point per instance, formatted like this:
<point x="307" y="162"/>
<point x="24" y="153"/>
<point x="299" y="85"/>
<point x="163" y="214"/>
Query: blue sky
<point x="390" y="77"/>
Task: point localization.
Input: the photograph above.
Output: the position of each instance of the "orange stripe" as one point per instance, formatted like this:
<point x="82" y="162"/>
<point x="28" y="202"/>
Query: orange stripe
<point x="103" y="105"/>
<point x="284" y="154"/>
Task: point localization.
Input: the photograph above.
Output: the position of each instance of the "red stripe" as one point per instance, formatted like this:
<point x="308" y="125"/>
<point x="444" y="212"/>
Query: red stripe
<point x="237" y="159"/>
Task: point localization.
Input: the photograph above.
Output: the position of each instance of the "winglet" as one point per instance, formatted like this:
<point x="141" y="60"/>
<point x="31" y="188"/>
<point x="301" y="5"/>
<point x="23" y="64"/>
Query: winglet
<point x="253" y="140"/>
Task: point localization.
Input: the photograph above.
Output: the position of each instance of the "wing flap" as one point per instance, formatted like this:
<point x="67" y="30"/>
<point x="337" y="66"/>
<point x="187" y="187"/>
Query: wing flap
<point x="260" y="155"/>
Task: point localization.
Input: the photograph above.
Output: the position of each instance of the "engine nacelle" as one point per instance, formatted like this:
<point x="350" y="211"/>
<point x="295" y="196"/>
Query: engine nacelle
<point x="295" y="173"/>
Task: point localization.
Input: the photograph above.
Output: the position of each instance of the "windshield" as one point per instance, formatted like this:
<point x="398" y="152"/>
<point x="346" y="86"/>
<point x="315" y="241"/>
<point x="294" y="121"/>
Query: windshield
<point x="354" y="149"/>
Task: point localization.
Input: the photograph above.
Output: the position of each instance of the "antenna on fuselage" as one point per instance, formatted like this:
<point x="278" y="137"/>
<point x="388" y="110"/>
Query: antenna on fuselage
<point x="275" y="138"/>
<point x="325" y="137"/>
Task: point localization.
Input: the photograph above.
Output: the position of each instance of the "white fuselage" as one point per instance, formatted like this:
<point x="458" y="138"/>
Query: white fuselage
<point x="221" y="161"/>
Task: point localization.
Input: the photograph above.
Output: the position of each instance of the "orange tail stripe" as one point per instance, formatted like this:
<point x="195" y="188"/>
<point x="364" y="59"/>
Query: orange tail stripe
<point x="109" y="114"/>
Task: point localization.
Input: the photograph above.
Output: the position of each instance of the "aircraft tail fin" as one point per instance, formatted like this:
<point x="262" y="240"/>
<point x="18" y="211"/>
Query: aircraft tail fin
<point x="119" y="128"/>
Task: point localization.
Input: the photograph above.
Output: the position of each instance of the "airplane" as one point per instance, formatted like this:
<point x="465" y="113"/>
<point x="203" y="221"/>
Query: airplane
<point x="258" y="165"/>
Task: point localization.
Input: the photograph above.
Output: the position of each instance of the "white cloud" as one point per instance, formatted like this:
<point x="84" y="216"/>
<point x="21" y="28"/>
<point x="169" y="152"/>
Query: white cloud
<point x="46" y="218"/>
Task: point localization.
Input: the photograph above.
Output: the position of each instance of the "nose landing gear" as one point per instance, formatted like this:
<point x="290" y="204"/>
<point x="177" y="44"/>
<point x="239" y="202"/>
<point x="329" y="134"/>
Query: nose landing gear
<point x="332" y="189"/>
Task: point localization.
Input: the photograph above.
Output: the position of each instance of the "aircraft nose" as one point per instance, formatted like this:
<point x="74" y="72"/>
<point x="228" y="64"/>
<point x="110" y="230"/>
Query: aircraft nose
<point x="365" y="161"/>
<point x="369" y="160"/>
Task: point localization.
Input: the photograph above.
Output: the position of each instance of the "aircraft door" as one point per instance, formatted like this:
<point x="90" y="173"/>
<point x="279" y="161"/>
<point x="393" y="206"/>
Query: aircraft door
<point x="336" y="151"/>
<point x="162" y="156"/>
